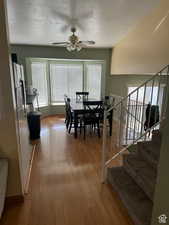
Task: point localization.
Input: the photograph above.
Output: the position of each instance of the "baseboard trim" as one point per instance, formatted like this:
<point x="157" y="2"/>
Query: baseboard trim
<point x="61" y="115"/>
<point x="10" y="200"/>
<point x="26" y="189"/>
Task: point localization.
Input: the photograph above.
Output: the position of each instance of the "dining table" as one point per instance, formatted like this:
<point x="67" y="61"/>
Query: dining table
<point x="78" y="109"/>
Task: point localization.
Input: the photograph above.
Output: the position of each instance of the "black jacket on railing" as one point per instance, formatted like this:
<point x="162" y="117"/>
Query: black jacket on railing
<point x="152" y="116"/>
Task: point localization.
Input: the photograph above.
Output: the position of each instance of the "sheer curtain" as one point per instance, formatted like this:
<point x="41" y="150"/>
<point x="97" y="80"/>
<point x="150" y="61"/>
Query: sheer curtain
<point x="39" y="81"/>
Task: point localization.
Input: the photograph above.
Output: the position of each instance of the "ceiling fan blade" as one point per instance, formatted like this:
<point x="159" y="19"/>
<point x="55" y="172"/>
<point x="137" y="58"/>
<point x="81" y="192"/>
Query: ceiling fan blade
<point x="65" y="28"/>
<point x="87" y="15"/>
<point x="87" y="42"/>
<point x="62" y="16"/>
<point x="60" y="43"/>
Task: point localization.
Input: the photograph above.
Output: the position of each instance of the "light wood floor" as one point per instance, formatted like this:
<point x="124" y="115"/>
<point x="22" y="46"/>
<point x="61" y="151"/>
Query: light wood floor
<point x="65" y="187"/>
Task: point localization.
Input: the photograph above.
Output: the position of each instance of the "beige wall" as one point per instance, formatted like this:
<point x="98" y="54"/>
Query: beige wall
<point x="145" y="50"/>
<point x="118" y="84"/>
<point x="8" y="136"/>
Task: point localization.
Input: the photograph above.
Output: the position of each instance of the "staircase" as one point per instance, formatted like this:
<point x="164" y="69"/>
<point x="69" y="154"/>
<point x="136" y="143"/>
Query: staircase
<point x="135" y="180"/>
<point x="132" y="170"/>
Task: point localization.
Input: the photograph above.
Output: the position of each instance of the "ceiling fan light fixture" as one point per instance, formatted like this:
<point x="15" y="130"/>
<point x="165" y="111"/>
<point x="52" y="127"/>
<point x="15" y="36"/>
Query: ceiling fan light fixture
<point x="68" y="47"/>
<point x="78" y="48"/>
<point x="74" y="44"/>
<point x="74" y="47"/>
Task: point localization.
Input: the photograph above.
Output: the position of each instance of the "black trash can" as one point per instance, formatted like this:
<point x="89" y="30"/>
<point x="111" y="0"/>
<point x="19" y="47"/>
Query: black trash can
<point x="34" y="125"/>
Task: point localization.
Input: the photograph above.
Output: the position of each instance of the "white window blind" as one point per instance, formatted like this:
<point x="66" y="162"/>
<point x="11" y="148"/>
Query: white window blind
<point x="65" y="79"/>
<point x="93" y="80"/>
<point x="39" y="81"/>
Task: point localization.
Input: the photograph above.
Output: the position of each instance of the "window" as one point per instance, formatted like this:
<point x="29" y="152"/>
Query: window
<point x="147" y="93"/>
<point x="93" y="80"/>
<point x="65" y="79"/>
<point x="54" y="78"/>
<point x="137" y="106"/>
<point x="39" y="81"/>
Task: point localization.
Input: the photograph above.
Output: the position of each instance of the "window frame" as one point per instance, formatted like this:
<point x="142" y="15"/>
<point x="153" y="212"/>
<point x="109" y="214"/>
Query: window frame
<point x="29" y="61"/>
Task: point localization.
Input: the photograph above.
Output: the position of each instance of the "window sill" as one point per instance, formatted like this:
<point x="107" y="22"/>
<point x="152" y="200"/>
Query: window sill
<point x="42" y="106"/>
<point x="58" y="104"/>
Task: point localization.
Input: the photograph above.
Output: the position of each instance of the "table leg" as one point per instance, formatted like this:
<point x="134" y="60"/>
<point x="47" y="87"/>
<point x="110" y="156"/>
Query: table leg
<point x="110" y="123"/>
<point x="75" y="124"/>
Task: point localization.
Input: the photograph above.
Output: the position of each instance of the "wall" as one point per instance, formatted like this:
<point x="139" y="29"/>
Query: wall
<point x="25" y="51"/>
<point x="8" y="135"/>
<point x="161" y="200"/>
<point x="145" y="49"/>
<point x="117" y="84"/>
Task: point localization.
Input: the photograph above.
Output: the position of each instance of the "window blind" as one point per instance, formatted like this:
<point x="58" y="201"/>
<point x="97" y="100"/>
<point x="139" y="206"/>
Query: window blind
<point x="65" y="79"/>
<point x="93" y="80"/>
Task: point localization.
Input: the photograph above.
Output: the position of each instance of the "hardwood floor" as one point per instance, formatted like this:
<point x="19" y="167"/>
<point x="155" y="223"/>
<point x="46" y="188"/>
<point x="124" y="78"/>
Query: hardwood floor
<point x="65" y="187"/>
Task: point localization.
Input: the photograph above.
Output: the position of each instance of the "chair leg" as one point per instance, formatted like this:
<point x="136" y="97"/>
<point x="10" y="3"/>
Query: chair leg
<point x="110" y="126"/>
<point x="91" y="128"/>
<point x="98" y="129"/>
<point x="67" y="123"/>
<point x="84" y="132"/>
<point x="80" y="126"/>
<point x="70" y="127"/>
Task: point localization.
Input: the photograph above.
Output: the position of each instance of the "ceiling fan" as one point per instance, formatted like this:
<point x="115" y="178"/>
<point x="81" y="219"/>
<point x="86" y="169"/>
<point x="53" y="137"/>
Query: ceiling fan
<point x="74" y="44"/>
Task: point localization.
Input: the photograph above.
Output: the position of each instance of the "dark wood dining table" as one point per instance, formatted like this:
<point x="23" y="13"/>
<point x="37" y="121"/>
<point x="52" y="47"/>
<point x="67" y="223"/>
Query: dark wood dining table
<point x="79" y="109"/>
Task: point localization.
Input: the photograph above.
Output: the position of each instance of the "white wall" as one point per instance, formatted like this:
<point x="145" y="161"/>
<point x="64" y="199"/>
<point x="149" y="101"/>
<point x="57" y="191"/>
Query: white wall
<point x="8" y="135"/>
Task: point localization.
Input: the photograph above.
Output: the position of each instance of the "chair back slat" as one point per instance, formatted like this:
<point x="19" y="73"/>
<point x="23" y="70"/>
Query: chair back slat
<point x="82" y="96"/>
<point x="94" y="107"/>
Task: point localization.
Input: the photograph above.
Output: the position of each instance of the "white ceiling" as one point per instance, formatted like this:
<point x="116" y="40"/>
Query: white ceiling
<point x="42" y="22"/>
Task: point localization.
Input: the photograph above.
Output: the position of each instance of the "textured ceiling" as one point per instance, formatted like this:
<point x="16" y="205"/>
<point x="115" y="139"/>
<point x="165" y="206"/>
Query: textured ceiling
<point x="44" y="21"/>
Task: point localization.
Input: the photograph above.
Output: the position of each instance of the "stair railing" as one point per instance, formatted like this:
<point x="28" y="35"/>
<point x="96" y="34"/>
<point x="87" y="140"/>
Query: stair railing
<point x="129" y="116"/>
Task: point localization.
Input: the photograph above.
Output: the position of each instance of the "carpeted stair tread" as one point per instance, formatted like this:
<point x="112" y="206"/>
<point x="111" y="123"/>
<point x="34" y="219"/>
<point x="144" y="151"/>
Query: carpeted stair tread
<point x="149" y="152"/>
<point x="132" y="148"/>
<point x="156" y="137"/>
<point x="156" y="133"/>
<point x="3" y="182"/>
<point x="141" y="172"/>
<point x="135" y="200"/>
<point x="154" y="148"/>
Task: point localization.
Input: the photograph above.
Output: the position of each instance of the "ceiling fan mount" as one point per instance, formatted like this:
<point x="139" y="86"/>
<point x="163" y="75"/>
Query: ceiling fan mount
<point x="73" y="44"/>
<point x="73" y="38"/>
<point x="73" y="29"/>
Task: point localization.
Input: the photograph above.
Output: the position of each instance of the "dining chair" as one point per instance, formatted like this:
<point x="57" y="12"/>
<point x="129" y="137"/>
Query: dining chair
<point x="82" y="96"/>
<point x="66" y="112"/>
<point x="70" y="119"/>
<point x="92" y="116"/>
<point x="109" y="101"/>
